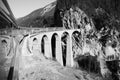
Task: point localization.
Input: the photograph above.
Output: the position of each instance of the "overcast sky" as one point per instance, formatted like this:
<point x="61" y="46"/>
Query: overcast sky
<point x="21" y="8"/>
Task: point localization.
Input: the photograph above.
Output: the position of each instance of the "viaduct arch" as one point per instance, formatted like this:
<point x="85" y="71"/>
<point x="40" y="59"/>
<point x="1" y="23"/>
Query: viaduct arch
<point x="51" y="44"/>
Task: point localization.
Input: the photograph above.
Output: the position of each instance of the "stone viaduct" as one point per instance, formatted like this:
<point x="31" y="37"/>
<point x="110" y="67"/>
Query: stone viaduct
<point x="50" y="44"/>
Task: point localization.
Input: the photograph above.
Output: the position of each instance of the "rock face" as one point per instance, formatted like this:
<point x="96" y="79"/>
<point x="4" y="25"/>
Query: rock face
<point x="88" y="6"/>
<point x="95" y="48"/>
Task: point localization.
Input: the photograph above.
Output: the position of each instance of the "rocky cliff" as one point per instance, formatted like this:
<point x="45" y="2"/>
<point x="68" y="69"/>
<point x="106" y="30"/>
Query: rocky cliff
<point x="88" y="6"/>
<point x="50" y="14"/>
<point x="97" y="45"/>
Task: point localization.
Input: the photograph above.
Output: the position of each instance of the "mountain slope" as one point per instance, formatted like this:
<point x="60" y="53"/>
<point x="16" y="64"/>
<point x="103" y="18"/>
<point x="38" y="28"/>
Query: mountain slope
<point x="50" y="14"/>
<point x="39" y="17"/>
<point x="112" y="7"/>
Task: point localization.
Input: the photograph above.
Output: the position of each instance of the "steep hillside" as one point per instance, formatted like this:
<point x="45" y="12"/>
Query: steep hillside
<point x="50" y="14"/>
<point x="88" y="6"/>
<point x="39" y="18"/>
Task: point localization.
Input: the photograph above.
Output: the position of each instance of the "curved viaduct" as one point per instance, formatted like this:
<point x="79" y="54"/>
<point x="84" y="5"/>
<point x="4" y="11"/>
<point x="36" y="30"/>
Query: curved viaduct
<point x="51" y="45"/>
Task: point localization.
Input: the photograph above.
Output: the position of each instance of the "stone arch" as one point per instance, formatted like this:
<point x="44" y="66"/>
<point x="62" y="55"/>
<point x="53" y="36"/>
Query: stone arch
<point x="4" y="41"/>
<point x="35" y="42"/>
<point x="43" y="41"/>
<point x="76" y="42"/>
<point x="6" y="44"/>
<point x="54" y="42"/>
<point x="46" y="45"/>
<point x="56" y="48"/>
<point x="64" y="40"/>
<point x="76" y="34"/>
<point x="34" y="39"/>
<point x="4" y="47"/>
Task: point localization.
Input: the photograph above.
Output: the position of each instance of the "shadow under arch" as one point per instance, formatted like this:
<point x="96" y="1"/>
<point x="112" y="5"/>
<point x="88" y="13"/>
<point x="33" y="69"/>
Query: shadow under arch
<point x="76" y="34"/>
<point x="34" y="39"/>
<point x="35" y="42"/>
<point x="43" y="41"/>
<point x="64" y="41"/>
<point x="54" y="42"/>
<point x="76" y="42"/>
